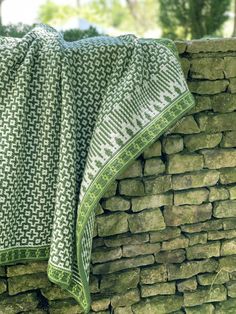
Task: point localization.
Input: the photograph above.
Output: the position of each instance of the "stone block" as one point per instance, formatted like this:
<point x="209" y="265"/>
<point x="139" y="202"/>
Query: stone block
<point x="123" y="310"/>
<point x="3" y="286"/>
<point x="163" y="288"/>
<point x="216" y="122"/>
<point x="211" y="45"/>
<point x="186" y="125"/>
<point x="224" y="102"/>
<point x="101" y="255"/>
<point x="190" y="269"/>
<point x="27" y="268"/>
<point x="123" y="263"/>
<point x="208" y="87"/>
<point x="172" y="144"/>
<point x="159" y="185"/>
<point x="120" y="282"/>
<point x="153" y="274"/>
<point x="181" y="46"/>
<point x="202" y="103"/>
<point x="151" y="201"/>
<point x="227" y="175"/>
<point x="230" y="66"/>
<point x="18" y="303"/>
<point x="125" y="299"/>
<point x="232" y="85"/>
<point x="126" y="239"/>
<point x="131" y="187"/>
<point x="195" y="179"/>
<point x="218" y="193"/>
<point x="184" y="162"/>
<point x="207" y="68"/>
<point x="228" y="247"/>
<point x="132" y="171"/>
<point x="232" y="192"/>
<point x="177" y="243"/>
<point x="69" y="306"/>
<point x="225" y="208"/>
<point x="200" y="251"/>
<point x="187" y="285"/>
<point x="222" y="234"/>
<point x="112" y="224"/>
<point x="100" y="303"/>
<point x="116" y="203"/>
<point x="186" y="214"/>
<point x="201" y="309"/>
<point x="154" y="166"/>
<point x="228" y="139"/>
<point x="231" y="288"/>
<point x="227" y="264"/>
<point x="216" y="293"/>
<point x="140" y="249"/>
<point x="170" y="257"/>
<point x="55" y="293"/>
<point x="192" y="196"/>
<point x="229" y="223"/>
<point x="197" y="238"/>
<point x="204" y="226"/>
<point x="185" y="64"/>
<point x="153" y="150"/>
<point x="201" y="140"/>
<point x="166" y="234"/>
<point x="213" y="279"/>
<point x="111" y="191"/>
<point x="219" y="158"/>
<point x="228" y="307"/>
<point x="147" y="220"/>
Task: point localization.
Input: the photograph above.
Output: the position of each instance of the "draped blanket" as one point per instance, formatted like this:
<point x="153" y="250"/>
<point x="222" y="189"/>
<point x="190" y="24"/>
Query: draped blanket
<point x="73" y="116"/>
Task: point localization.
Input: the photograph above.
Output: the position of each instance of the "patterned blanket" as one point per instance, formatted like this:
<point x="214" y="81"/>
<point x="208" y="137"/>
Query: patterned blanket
<point x="73" y="115"/>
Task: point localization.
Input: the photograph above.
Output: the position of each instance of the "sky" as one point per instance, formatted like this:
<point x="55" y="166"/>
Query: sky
<point x="24" y="11"/>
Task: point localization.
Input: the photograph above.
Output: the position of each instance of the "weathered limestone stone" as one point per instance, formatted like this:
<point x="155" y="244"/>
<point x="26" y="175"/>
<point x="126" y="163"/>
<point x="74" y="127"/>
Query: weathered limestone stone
<point x="227" y="175"/>
<point x="223" y="234"/>
<point x="158" y="185"/>
<point x="170" y="257"/>
<point x="68" y="306"/>
<point x="158" y="305"/>
<point x="172" y="144"/>
<point x="229" y="139"/>
<point x="18" y="303"/>
<point x="158" y="289"/>
<point x="228" y="247"/>
<point x="192" y="196"/>
<point x="185" y="214"/>
<point x="217" y="293"/>
<point x="232" y="85"/>
<point x="204" y="226"/>
<point x="27" y="282"/>
<point x="202" y="140"/>
<point x="101" y="255"/>
<point x="203" y="103"/>
<point x="99" y="210"/>
<point x="183" y="162"/>
<point x="181" y="46"/>
<point x="177" y="243"/>
<point x="124" y="299"/>
<point x="100" y="304"/>
<point x="208" y="87"/>
<point x="140" y="249"/>
<point x="211" y="45"/>
<point x="147" y="220"/>
<point x="195" y="179"/>
<point x="132" y="171"/>
<point x="3" y="286"/>
<point x="151" y="201"/>
<point x="123" y="310"/>
<point x="97" y="242"/>
<point x="153" y="150"/>
<point x="230" y="66"/>
<point x="111" y="191"/>
<point x="207" y="68"/>
<point x="232" y="192"/>
<point x="227" y="264"/>
<point x="120" y="282"/>
<point x="210" y="279"/>
<point x="223" y="102"/>
<point x="55" y="293"/>
<point x="95" y="229"/>
<point x="154" y="166"/>
<point x="116" y="203"/>
<point x="131" y="187"/>
<point x="207" y="250"/>
<point x="185" y="64"/>
<point x="197" y="238"/>
<point x="186" y="125"/>
<point x="224" y="209"/>
<point x="93" y="284"/>
<point x="2" y="271"/>
<point x="218" y="193"/>
<point x="187" y="285"/>
<point x="111" y="267"/>
<point x="229" y="223"/>
<point x="231" y="287"/>
<point x="112" y="224"/>
<point x="36" y="311"/>
<point x="190" y="269"/>
<point x="27" y="268"/>
<point x="219" y="158"/>
<point x="213" y="122"/>
<point x="153" y="274"/>
<point x="228" y="307"/>
<point x="166" y="234"/>
<point x="201" y="309"/>
<point x="126" y="239"/>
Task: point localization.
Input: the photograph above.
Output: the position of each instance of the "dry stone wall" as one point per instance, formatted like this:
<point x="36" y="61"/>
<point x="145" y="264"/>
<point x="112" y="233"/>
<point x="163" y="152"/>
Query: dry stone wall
<point x="165" y="232"/>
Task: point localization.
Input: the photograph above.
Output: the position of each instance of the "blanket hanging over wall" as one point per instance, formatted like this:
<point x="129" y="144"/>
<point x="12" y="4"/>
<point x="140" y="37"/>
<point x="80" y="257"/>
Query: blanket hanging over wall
<point x="72" y="117"/>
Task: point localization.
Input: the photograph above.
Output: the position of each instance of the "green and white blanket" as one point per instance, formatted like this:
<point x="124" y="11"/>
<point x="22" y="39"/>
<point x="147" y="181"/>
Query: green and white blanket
<point x="72" y="117"/>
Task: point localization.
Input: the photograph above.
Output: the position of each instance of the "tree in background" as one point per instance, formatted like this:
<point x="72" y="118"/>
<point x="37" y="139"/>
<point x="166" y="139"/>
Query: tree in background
<point x="1" y="1"/>
<point x="192" y="18"/>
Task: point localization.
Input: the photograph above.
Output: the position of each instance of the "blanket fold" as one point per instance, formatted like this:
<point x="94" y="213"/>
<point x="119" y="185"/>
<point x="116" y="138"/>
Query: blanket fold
<point x="73" y="116"/>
